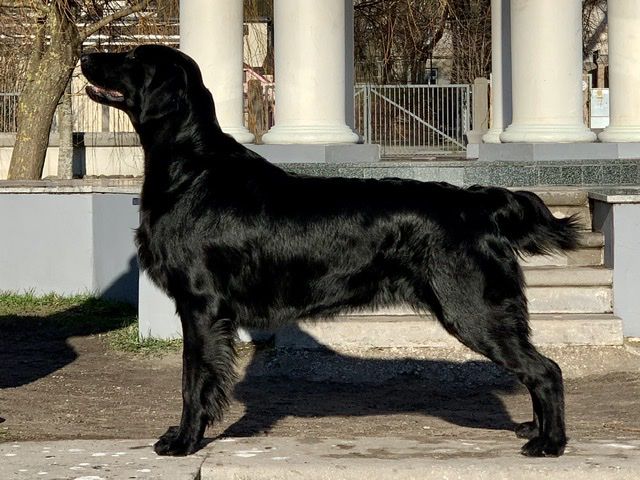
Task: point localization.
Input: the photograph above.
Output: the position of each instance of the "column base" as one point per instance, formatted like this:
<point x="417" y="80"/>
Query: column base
<point x="615" y="134"/>
<point x="311" y="134"/>
<point x="240" y="134"/>
<point x="492" y="136"/>
<point x="547" y="134"/>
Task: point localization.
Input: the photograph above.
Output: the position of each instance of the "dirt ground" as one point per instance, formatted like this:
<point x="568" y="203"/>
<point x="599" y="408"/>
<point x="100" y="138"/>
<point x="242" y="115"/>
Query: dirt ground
<point x="58" y="386"/>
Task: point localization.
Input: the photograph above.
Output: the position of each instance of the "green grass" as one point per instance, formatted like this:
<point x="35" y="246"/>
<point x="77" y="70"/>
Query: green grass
<point x="80" y="315"/>
<point x="127" y="339"/>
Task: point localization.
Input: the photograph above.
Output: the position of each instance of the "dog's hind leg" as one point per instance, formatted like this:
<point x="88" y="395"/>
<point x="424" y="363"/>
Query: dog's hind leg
<point x="207" y="376"/>
<point x="487" y="312"/>
<point x="530" y="429"/>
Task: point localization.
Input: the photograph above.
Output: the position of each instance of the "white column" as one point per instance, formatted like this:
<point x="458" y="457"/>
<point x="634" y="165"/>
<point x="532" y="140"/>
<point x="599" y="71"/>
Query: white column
<point x="624" y="72"/>
<point x="309" y="53"/>
<point x="500" y="70"/>
<point x="546" y="59"/>
<point x="211" y="33"/>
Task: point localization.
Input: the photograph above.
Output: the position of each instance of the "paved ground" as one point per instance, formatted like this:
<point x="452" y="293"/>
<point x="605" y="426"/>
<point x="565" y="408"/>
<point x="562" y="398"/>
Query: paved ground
<point x="444" y="403"/>
<point x="283" y="458"/>
<point x="93" y="460"/>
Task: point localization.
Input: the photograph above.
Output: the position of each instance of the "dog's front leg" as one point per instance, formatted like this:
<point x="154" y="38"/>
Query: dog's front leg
<point x="207" y="376"/>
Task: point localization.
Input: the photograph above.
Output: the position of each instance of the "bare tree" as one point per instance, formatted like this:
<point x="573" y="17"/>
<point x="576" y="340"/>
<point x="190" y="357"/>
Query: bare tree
<point x="594" y="24"/>
<point x="54" y="33"/>
<point x="394" y="39"/>
<point x="469" y="25"/>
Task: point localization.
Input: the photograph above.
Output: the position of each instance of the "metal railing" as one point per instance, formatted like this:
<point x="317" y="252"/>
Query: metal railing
<point x="8" y="112"/>
<point x="413" y="119"/>
<point x="402" y="119"/>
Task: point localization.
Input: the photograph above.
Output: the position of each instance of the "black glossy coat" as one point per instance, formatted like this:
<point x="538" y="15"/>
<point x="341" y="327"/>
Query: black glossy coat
<point x="237" y="241"/>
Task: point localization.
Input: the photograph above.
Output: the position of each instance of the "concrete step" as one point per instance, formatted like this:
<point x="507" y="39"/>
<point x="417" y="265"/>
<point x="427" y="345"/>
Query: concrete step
<point x="570" y="299"/>
<point x="562" y="196"/>
<point x="582" y="211"/>
<point x="590" y="253"/>
<point x="569" y="289"/>
<point x="551" y="290"/>
<point x="385" y="458"/>
<point x="413" y="331"/>
<point x="567" y="276"/>
<point x="564" y="202"/>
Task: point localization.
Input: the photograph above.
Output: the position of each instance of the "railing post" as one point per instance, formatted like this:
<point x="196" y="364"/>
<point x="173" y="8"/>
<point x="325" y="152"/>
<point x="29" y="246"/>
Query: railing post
<point x="367" y="109"/>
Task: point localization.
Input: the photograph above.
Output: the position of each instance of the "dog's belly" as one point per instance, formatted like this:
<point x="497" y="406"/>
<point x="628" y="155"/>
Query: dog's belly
<point x="281" y="295"/>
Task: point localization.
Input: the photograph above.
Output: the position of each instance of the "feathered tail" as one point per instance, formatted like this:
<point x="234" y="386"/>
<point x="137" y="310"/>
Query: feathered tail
<point x="530" y="227"/>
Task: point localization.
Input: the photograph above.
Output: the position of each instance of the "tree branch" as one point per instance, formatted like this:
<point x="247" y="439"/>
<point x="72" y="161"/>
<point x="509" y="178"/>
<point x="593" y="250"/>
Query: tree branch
<point x="36" y="5"/>
<point x="103" y="22"/>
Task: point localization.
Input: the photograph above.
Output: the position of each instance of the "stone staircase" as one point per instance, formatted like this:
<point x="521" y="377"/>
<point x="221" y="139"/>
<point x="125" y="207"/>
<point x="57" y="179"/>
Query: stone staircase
<point x="570" y="301"/>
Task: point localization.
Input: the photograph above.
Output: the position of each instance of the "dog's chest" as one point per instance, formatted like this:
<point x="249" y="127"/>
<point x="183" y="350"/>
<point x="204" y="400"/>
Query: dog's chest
<point x="162" y="248"/>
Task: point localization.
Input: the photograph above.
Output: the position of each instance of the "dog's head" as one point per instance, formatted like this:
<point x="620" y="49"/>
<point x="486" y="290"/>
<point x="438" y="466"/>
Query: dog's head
<point x="149" y="83"/>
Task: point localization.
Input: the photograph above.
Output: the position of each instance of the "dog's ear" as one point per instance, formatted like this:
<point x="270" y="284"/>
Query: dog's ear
<point x="163" y="95"/>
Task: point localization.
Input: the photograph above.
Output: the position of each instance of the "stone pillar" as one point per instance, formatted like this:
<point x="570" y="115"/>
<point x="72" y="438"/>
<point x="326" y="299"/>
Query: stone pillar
<point x="546" y="60"/>
<point x="211" y="32"/>
<point x="500" y="70"/>
<point x="624" y="72"/>
<point x="309" y="48"/>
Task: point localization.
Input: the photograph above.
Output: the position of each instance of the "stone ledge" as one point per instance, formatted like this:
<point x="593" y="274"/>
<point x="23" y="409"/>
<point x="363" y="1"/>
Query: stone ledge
<point x="89" y="185"/>
<point x="527" y="152"/>
<point x="616" y="194"/>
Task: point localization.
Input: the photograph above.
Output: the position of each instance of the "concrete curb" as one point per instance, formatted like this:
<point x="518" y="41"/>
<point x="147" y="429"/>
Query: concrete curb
<point x="413" y="331"/>
<point x="93" y="460"/>
<point x="283" y="458"/>
<point x="394" y="458"/>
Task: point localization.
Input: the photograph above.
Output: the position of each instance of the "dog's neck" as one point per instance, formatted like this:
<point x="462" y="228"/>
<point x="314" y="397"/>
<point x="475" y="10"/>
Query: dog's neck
<point x="177" y="151"/>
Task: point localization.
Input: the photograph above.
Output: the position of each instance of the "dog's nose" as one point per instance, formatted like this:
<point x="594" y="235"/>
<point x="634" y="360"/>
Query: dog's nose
<point x="84" y="58"/>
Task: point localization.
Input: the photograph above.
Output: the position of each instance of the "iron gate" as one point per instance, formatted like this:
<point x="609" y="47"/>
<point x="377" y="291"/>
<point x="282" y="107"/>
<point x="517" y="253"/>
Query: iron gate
<point x="413" y="119"/>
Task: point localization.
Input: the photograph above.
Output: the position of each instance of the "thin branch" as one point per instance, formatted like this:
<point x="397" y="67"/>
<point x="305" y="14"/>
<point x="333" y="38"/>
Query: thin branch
<point x="103" y="22"/>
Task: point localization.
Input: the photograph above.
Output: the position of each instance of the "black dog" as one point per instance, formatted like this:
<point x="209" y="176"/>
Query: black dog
<point x="234" y="240"/>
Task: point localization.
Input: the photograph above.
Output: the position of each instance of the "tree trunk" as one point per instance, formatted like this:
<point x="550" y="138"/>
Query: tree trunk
<point x="65" y="132"/>
<point x="48" y="72"/>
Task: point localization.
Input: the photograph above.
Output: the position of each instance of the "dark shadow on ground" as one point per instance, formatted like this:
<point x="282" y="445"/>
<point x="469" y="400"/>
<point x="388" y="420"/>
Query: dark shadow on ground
<point x="323" y="383"/>
<point x="33" y="346"/>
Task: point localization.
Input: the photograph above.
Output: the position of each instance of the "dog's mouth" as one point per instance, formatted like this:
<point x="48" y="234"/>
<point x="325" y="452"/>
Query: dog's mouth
<point x="104" y="95"/>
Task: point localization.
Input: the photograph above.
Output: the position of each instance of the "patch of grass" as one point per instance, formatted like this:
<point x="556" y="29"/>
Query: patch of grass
<point x="127" y="339"/>
<point x="54" y="316"/>
<point x="33" y="305"/>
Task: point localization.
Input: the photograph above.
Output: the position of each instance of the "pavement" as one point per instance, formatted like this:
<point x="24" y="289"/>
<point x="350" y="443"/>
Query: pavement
<point x="94" y="460"/>
<point x="599" y="454"/>
<point x="284" y="458"/>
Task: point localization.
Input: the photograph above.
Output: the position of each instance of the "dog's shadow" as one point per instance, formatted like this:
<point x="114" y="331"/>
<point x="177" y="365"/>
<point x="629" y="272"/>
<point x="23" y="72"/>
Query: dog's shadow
<point x="324" y="383"/>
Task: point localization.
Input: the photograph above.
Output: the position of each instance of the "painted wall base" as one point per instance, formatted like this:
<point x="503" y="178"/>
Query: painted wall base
<point x="69" y="244"/>
<point x="616" y="213"/>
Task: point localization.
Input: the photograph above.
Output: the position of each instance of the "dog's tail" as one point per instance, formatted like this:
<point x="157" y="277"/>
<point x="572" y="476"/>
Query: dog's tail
<point x="530" y="226"/>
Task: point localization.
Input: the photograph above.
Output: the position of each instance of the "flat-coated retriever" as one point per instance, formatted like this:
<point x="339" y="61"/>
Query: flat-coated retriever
<point x="235" y="240"/>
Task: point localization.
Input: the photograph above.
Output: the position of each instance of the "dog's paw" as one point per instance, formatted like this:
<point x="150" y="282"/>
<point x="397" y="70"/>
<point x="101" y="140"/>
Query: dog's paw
<point x="527" y="430"/>
<point x="543" y="447"/>
<point x="174" y="444"/>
